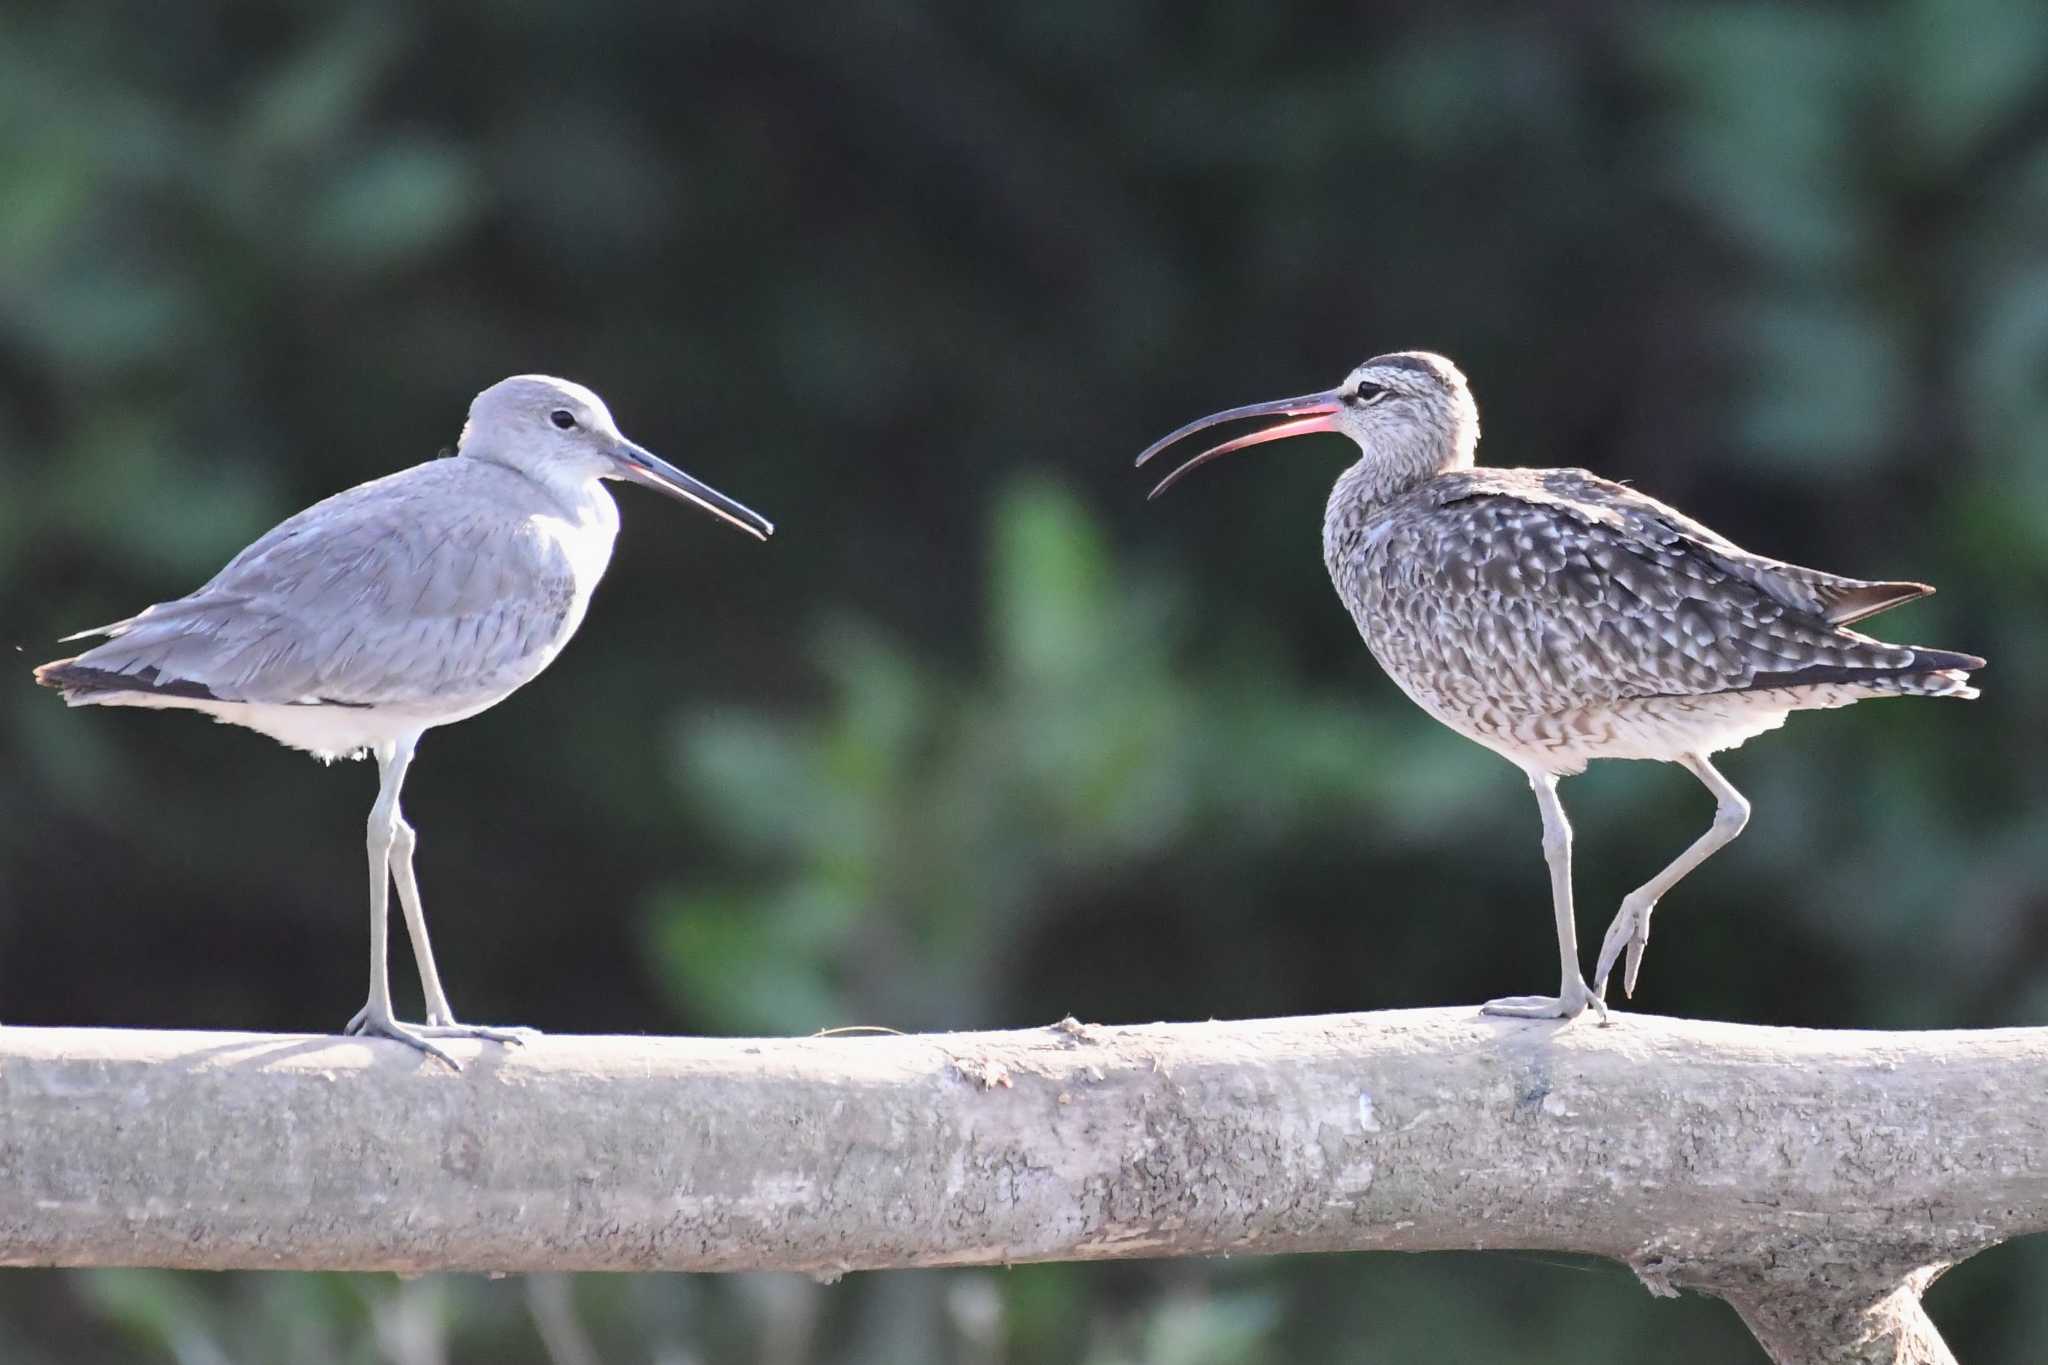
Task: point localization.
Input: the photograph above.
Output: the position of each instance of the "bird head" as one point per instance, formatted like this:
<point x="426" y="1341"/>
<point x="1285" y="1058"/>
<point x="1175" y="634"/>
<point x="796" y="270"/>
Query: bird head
<point x="1406" y="408"/>
<point x="551" y="428"/>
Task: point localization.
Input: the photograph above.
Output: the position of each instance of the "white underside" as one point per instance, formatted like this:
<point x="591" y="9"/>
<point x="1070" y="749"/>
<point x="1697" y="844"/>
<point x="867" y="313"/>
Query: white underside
<point x="326" y="732"/>
<point x="1658" y="729"/>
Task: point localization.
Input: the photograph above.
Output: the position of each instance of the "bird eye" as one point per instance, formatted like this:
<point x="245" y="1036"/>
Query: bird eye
<point x="1369" y="392"/>
<point x="562" y="418"/>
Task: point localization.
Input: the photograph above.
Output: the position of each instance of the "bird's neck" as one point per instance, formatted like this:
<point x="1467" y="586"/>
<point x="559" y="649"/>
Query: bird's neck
<point x="578" y="493"/>
<point x="1384" y="473"/>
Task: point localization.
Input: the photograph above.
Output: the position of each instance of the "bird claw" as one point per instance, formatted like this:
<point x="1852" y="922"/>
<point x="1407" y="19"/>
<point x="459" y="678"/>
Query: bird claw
<point x="512" y="1035"/>
<point x="442" y="1023"/>
<point x="378" y="1023"/>
<point x="1567" y="1006"/>
<point x="1630" y="935"/>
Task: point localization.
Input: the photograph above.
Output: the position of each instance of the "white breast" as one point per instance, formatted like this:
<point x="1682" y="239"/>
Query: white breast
<point x="585" y="540"/>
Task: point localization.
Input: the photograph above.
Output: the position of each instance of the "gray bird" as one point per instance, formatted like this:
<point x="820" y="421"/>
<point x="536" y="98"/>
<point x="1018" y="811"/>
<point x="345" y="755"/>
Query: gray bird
<point x="404" y="603"/>
<point x="1556" y="617"/>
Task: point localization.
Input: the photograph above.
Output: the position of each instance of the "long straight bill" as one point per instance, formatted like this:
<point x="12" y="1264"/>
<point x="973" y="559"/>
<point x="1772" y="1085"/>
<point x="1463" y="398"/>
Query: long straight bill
<point x="1313" y="412"/>
<point x="645" y="467"/>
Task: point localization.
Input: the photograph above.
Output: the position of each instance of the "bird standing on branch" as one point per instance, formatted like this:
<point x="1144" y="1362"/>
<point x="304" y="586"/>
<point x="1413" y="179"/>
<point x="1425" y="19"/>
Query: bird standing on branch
<point x="404" y="603"/>
<point x="1556" y="617"/>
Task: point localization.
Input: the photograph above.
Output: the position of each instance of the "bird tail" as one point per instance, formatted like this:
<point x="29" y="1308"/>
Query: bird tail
<point x="1928" y="673"/>
<point x="146" y="659"/>
<point x="82" y="684"/>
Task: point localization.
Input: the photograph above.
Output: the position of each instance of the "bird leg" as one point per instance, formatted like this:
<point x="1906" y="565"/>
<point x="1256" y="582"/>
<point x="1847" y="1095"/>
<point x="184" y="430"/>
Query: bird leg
<point x="1573" y="995"/>
<point x="375" y="1018"/>
<point x="1631" y="927"/>
<point x="403" y="842"/>
<point x="441" y="1021"/>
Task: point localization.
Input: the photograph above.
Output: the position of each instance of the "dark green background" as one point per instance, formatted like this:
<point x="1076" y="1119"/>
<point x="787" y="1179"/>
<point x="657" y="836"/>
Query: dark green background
<point x="981" y="738"/>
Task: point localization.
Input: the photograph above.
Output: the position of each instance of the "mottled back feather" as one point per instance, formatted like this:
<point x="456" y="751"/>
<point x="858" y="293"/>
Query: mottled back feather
<point x="1511" y="592"/>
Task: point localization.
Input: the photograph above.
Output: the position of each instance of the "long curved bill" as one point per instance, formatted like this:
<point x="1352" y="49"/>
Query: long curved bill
<point x="1313" y="412"/>
<point x="643" y="466"/>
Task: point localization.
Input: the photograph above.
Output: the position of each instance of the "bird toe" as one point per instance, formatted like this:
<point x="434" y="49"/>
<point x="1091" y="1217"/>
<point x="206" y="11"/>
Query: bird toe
<point x="513" y="1035"/>
<point x="373" y="1023"/>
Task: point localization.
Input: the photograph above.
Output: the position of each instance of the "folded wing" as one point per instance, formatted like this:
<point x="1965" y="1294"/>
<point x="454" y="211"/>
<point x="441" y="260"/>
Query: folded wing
<point x="389" y="593"/>
<point x="1550" y="589"/>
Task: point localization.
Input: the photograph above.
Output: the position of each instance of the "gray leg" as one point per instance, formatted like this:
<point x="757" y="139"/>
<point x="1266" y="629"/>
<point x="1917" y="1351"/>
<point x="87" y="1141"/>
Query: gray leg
<point x="1631" y="927"/>
<point x="403" y="842"/>
<point x="1572" y="993"/>
<point x="441" y="1022"/>
<point x="375" y="1017"/>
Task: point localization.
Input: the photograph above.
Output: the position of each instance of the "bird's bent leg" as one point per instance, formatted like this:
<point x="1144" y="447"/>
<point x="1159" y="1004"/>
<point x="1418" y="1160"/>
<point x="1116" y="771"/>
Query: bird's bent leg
<point x="375" y="1017"/>
<point x="1631" y="927"/>
<point x="1572" y="993"/>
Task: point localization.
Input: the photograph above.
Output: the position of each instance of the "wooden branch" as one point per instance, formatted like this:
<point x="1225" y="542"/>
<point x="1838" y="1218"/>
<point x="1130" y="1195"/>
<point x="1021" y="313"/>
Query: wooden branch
<point x="1816" y="1180"/>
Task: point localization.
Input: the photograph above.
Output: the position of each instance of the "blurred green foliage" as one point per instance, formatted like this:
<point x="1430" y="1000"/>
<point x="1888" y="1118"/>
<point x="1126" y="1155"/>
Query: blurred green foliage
<point x="967" y="811"/>
<point x="981" y="738"/>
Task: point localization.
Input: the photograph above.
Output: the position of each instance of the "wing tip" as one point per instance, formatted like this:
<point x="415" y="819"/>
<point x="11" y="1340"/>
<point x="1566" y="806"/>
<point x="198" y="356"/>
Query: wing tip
<point x="1861" y="601"/>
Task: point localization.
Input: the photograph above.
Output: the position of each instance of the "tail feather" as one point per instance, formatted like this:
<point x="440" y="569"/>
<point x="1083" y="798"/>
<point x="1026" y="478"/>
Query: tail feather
<point x="1929" y="673"/>
<point x="78" y="681"/>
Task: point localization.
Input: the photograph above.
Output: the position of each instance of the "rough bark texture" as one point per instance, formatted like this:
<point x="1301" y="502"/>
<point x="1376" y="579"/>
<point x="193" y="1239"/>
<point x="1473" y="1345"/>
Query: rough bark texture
<point x="1816" y="1180"/>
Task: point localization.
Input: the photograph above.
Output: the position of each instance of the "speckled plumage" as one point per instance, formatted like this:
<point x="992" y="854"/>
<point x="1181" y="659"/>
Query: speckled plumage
<point x="1557" y="617"/>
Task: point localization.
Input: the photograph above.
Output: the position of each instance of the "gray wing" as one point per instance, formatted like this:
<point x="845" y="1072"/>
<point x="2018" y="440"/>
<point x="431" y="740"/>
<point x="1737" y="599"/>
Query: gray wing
<point x="423" y="585"/>
<point x="1544" y="590"/>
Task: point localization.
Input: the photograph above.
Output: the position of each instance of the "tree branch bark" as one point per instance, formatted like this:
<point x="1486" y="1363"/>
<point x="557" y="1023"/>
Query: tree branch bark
<point x="1816" y="1180"/>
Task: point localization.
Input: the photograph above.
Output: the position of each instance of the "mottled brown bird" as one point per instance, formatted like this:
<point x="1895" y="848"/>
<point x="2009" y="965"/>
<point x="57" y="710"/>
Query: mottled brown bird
<point x="1556" y="617"/>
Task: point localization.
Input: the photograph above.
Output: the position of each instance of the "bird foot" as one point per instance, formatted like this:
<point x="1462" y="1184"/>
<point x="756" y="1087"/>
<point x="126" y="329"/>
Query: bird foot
<point x="1567" y="1006"/>
<point x="373" y="1022"/>
<point x="443" y="1025"/>
<point x="1629" y="933"/>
